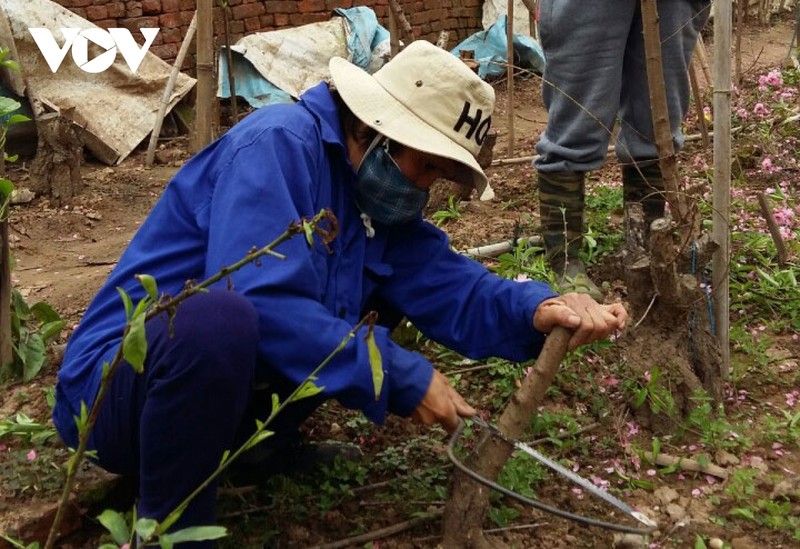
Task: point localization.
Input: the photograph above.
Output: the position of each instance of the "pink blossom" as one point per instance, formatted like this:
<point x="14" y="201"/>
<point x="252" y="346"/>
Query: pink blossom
<point x="651" y="472"/>
<point x="696" y="492"/>
<point x="31" y="455"/>
<point x="761" y="110"/>
<point x="793" y="397"/>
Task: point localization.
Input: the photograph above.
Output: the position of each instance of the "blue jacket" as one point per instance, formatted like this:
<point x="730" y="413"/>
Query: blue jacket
<point x="280" y="164"/>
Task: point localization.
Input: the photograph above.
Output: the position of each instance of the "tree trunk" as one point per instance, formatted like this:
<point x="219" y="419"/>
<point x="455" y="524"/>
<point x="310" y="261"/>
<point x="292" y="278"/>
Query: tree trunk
<point x="663" y="275"/>
<point x="56" y="170"/>
<point x="466" y="509"/>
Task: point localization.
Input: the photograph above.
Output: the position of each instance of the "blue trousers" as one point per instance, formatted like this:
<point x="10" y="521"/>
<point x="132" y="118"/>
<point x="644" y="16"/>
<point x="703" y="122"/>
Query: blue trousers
<point x="169" y="426"/>
<point x="595" y="74"/>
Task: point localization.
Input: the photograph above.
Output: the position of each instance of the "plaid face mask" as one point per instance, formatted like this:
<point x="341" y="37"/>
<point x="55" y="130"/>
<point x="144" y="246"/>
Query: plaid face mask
<point x="383" y="192"/>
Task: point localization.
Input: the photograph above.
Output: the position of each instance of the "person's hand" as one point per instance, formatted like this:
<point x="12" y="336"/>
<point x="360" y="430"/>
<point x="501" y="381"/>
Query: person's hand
<point x="590" y="320"/>
<point x="442" y="404"/>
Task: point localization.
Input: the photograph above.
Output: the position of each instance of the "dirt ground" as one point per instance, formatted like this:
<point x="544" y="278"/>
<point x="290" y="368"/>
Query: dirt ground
<point x="64" y="254"/>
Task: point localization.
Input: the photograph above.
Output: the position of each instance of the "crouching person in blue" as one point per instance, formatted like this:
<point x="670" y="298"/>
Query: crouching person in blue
<point x="367" y="147"/>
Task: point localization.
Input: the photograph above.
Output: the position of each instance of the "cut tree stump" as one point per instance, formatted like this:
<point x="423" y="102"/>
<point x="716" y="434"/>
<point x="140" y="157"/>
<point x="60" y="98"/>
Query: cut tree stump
<point x="56" y="170"/>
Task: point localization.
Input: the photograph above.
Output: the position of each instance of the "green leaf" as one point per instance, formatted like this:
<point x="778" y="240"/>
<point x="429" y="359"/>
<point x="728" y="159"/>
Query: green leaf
<point x="257" y="438"/>
<point x="6" y="187"/>
<point x="21" y="309"/>
<point x="743" y="512"/>
<point x="51" y="329"/>
<point x="276" y="404"/>
<point x="126" y="300"/>
<point x="145" y="528"/>
<point x="308" y="229"/>
<point x="115" y="523"/>
<point x="196" y="533"/>
<point x="13" y="65"/>
<point x="375" y="363"/>
<point x="307" y="389"/>
<point x="134" y="346"/>
<point x="82" y="419"/>
<point x="699" y="543"/>
<point x="767" y="277"/>
<point x="44" y="313"/>
<point x="16" y="119"/>
<point x="8" y="105"/>
<point x="33" y="351"/>
<point x="656" y="448"/>
<point x="149" y="284"/>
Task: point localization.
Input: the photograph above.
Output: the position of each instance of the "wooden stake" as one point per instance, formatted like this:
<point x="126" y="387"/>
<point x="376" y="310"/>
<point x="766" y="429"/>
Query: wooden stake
<point x="229" y="57"/>
<point x="510" y="74"/>
<point x="6" y="350"/>
<point x="204" y="105"/>
<point x="774" y="230"/>
<point x="400" y="18"/>
<point x="702" y="57"/>
<point x="394" y="34"/>
<point x="698" y="103"/>
<point x="162" y="110"/>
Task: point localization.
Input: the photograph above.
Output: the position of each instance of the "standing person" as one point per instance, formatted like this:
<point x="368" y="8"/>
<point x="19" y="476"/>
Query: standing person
<point x="595" y="74"/>
<point x="368" y="149"/>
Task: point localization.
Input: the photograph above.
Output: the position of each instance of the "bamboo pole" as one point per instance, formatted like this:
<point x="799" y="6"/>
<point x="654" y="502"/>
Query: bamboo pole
<point x="204" y="105"/>
<point x="510" y="74"/>
<point x="722" y="179"/>
<point x="162" y="109"/>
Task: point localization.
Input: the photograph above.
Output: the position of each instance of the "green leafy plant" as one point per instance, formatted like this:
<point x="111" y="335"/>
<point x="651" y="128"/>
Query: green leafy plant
<point x="524" y="260"/>
<point x="25" y="428"/>
<point x="450" y="213"/>
<point x="32" y="327"/>
<point x="650" y="390"/>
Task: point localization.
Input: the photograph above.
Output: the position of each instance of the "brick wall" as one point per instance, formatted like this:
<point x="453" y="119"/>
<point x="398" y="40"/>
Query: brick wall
<point x="428" y="17"/>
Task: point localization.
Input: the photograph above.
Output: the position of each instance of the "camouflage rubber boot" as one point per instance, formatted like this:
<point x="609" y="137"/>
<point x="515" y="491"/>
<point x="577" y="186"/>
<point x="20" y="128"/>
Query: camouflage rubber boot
<point x="645" y="185"/>
<point x="561" y="202"/>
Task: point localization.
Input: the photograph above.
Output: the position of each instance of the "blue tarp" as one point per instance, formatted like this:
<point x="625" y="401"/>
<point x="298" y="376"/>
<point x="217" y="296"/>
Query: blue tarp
<point x="491" y="50"/>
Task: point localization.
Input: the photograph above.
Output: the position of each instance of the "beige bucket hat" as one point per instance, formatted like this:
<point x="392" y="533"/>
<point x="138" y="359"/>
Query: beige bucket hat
<point x="426" y="99"/>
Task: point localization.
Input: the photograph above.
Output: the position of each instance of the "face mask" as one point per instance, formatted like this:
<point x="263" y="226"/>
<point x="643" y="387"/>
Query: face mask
<point x="383" y="192"/>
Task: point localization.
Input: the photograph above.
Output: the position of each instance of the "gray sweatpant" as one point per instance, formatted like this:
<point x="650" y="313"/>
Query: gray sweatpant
<point x="595" y="72"/>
